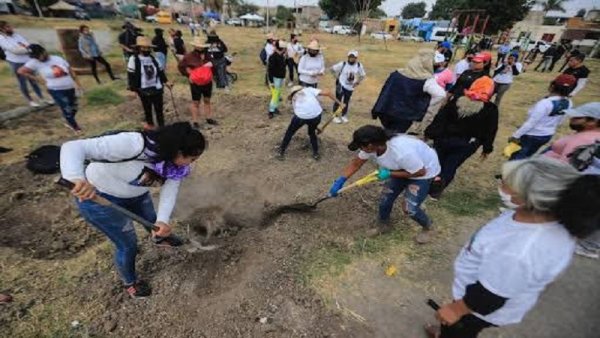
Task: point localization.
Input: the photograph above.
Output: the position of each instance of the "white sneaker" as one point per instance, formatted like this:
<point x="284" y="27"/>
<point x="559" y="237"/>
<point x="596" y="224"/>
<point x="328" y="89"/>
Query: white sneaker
<point x="586" y="252"/>
<point x="48" y="101"/>
<point x="344" y="119"/>
<point x="290" y="84"/>
<point x="34" y="104"/>
<point x="337" y="120"/>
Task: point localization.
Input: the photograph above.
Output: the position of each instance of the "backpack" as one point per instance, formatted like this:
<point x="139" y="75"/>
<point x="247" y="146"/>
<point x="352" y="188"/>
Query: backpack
<point x="44" y="160"/>
<point x="2" y="54"/>
<point x="201" y="76"/>
<point x="263" y="56"/>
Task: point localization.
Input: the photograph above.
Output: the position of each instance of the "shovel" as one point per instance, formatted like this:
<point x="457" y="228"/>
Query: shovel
<point x="335" y="114"/>
<point x="174" y="105"/>
<point x="306" y="207"/>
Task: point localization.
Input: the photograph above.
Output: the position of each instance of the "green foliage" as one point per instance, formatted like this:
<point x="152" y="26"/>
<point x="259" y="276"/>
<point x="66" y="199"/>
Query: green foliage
<point x="553" y="5"/>
<point x="102" y="96"/>
<point x="377" y="13"/>
<point x="244" y="8"/>
<point x="468" y="202"/>
<point x="341" y="9"/>
<point x="284" y="15"/>
<point x="414" y="10"/>
<point x="502" y="15"/>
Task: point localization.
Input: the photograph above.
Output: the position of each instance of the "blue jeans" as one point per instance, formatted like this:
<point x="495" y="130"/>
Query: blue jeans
<point x="23" y="82"/>
<point x="67" y="101"/>
<point x="119" y="229"/>
<point x="415" y="192"/>
<point x="161" y="58"/>
<point x="529" y="146"/>
<point x="344" y="95"/>
<point x="452" y="153"/>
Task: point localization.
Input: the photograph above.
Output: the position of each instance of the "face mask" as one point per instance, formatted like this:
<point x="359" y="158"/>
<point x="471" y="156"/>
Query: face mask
<point x="146" y="53"/>
<point x="576" y="127"/>
<point x="313" y="54"/>
<point x="506" y="199"/>
<point x="351" y="62"/>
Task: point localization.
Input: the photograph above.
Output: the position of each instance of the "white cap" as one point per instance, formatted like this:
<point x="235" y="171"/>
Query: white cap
<point x="438" y="58"/>
<point x="590" y="109"/>
<point x="353" y="53"/>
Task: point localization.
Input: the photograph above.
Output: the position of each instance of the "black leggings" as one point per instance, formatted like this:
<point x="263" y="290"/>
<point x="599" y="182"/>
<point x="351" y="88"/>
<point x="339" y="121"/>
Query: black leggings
<point x="100" y="59"/>
<point x="155" y="101"/>
<point x="468" y="326"/>
<point x="292" y="68"/>
<point x="296" y="124"/>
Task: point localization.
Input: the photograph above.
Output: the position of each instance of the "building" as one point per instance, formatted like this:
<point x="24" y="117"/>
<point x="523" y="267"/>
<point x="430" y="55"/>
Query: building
<point x="533" y="26"/>
<point x="308" y="16"/>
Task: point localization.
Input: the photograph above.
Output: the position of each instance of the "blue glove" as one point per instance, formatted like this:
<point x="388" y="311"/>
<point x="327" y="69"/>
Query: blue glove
<point x="337" y="185"/>
<point x="383" y="174"/>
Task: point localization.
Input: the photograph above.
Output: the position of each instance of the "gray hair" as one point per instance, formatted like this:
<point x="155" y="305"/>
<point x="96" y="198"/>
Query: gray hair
<point x="539" y="181"/>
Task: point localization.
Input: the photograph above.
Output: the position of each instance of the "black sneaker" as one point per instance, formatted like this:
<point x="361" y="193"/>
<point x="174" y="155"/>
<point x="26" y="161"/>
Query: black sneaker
<point x="213" y="122"/>
<point x="138" y="290"/>
<point x="277" y="112"/>
<point x="271" y="115"/>
<point x="316" y="156"/>
<point x="170" y="242"/>
<point x="280" y="156"/>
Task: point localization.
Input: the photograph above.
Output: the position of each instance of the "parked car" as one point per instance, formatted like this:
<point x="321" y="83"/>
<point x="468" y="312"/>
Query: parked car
<point x="343" y="30"/>
<point x="441" y="34"/>
<point x="81" y="15"/>
<point x="150" y="18"/>
<point x="234" y="22"/>
<point x="381" y="35"/>
<point x="413" y="38"/>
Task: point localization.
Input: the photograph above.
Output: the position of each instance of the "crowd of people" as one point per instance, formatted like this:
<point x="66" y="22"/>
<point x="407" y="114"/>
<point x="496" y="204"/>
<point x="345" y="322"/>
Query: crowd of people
<point x="433" y="117"/>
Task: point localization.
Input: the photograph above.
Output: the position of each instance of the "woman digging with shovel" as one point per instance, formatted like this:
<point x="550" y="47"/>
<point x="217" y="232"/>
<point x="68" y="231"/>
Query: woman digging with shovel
<point x="123" y="168"/>
<point x="408" y="164"/>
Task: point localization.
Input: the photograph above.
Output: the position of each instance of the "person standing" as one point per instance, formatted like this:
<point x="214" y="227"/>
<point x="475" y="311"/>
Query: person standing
<point x="178" y="45"/>
<point x="503" y="51"/>
<point x="122" y="168"/>
<point x="505" y="266"/>
<point x="579" y="71"/>
<point x="349" y="75"/>
<point x="543" y="118"/>
<point x="464" y="64"/>
<point x="469" y="76"/>
<point x="161" y="48"/>
<point x="147" y="79"/>
<point x="61" y="82"/>
<point x="563" y="48"/>
<point x="15" y="47"/>
<point x="276" y="71"/>
<point x="460" y="128"/>
<point x="192" y="26"/>
<point x="445" y="48"/>
<point x="406" y="163"/>
<point x="91" y="52"/>
<point x="197" y="67"/>
<point x="127" y="40"/>
<point x="503" y="76"/>
<point x="217" y="51"/>
<point x="547" y="58"/>
<point x="568" y="55"/>
<point x="408" y="93"/>
<point x="266" y="53"/>
<point x="311" y="66"/>
<point x="294" y="52"/>
<point x="307" y="111"/>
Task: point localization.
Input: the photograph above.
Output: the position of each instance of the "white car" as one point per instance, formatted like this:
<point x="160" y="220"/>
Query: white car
<point x="413" y="38"/>
<point x="234" y="22"/>
<point x="150" y="18"/>
<point x="382" y="36"/>
<point x="343" y="30"/>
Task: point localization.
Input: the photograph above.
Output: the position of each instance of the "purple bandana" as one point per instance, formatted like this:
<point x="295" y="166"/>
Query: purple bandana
<point x="168" y="170"/>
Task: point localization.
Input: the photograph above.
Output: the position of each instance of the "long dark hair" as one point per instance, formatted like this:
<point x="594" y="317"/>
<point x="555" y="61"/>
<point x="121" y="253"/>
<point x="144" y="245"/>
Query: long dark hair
<point x="578" y="207"/>
<point x="177" y="138"/>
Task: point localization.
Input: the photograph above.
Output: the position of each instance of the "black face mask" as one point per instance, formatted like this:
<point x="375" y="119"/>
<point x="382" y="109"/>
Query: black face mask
<point x="576" y="127"/>
<point x="351" y="62"/>
<point x="146" y="53"/>
<point x="313" y="54"/>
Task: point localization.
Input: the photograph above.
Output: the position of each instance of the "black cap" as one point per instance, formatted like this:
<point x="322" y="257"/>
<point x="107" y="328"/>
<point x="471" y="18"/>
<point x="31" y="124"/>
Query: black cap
<point x="366" y="135"/>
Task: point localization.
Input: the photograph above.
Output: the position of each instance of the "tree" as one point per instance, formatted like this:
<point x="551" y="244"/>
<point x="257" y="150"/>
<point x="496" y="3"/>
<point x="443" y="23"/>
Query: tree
<point x="41" y="3"/>
<point x="553" y="5"/>
<point x="442" y="9"/>
<point x="343" y="9"/>
<point x="245" y="8"/>
<point x="232" y="6"/>
<point x="284" y="15"/>
<point x="414" y="10"/>
<point x="377" y="13"/>
<point x="214" y="5"/>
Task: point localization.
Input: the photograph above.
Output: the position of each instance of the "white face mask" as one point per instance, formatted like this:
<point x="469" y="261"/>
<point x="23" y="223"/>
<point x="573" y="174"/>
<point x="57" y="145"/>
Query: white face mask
<point x="507" y="199"/>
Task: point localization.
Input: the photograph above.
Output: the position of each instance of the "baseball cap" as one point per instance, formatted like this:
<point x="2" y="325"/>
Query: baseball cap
<point x="446" y="44"/>
<point x="366" y="135"/>
<point x="438" y="57"/>
<point x="353" y="53"/>
<point x="590" y="109"/>
<point x="478" y="58"/>
<point x="565" y="80"/>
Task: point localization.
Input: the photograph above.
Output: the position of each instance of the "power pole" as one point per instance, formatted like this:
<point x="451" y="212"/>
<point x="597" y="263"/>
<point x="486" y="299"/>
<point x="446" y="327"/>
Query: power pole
<point x="37" y="7"/>
<point x="267" y="15"/>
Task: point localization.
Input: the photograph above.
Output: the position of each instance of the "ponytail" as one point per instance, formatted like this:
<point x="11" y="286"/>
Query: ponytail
<point x="578" y="206"/>
<point x="178" y="138"/>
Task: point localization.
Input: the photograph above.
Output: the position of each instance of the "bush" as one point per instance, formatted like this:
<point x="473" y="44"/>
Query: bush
<point x="103" y="96"/>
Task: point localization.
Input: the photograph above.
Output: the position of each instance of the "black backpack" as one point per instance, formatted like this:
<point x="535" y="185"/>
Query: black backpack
<point x="44" y="160"/>
<point x="263" y="56"/>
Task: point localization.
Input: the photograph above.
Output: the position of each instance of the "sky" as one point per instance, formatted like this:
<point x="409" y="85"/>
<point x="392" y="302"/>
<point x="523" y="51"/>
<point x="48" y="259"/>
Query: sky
<point x="394" y="7"/>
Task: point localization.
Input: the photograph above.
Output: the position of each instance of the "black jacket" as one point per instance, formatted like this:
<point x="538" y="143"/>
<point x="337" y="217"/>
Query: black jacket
<point x="481" y="126"/>
<point x="179" y="45"/>
<point x="465" y="80"/>
<point x="160" y="43"/>
<point x="276" y="66"/>
<point x="401" y="98"/>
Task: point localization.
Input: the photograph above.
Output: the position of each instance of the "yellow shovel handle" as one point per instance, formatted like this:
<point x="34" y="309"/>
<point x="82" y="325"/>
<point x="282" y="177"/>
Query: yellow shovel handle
<point x="372" y="177"/>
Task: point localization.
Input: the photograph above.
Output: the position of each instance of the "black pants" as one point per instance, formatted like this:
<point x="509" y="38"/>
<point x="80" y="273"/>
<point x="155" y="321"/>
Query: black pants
<point x="468" y="326"/>
<point x="100" y="59"/>
<point x="394" y="124"/>
<point x="295" y="125"/>
<point x="292" y="68"/>
<point x="344" y="95"/>
<point x="156" y="101"/>
<point x="500" y="58"/>
<point x="452" y="153"/>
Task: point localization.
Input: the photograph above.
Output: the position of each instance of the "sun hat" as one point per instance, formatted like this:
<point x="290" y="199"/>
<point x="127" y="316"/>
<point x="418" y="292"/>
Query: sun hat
<point x="438" y="57"/>
<point x="281" y="44"/>
<point x="590" y="109"/>
<point x="270" y="36"/>
<point x="197" y="42"/>
<point x="294" y="90"/>
<point x="353" y="53"/>
<point x="313" y="45"/>
<point x="481" y="90"/>
<point x="143" y="41"/>
<point x="366" y="135"/>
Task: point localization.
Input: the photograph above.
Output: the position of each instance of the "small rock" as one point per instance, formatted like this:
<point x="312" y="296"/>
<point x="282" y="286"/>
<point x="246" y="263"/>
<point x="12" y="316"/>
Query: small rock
<point x="75" y="324"/>
<point x="263" y="320"/>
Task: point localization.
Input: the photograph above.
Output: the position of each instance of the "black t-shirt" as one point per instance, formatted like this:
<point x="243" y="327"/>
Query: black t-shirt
<point x="579" y="73"/>
<point x="465" y="81"/>
<point x="179" y="45"/>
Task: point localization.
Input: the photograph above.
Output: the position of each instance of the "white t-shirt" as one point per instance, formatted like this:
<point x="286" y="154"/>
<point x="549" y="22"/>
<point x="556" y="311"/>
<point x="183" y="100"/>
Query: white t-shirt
<point x="513" y="260"/>
<point x="269" y="49"/>
<point x="306" y="103"/>
<point x="542" y="119"/>
<point x="149" y="73"/>
<point x="460" y="67"/>
<point x="506" y="75"/>
<point x="310" y="67"/>
<point x="15" y="48"/>
<point x="55" y="70"/>
<point x="294" y="49"/>
<point x="407" y="153"/>
<point x="350" y="74"/>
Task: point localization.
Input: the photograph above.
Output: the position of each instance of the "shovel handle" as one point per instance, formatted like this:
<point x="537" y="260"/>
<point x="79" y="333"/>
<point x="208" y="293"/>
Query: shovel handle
<point x="103" y="201"/>
<point x="432" y="304"/>
<point x="335" y="114"/>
